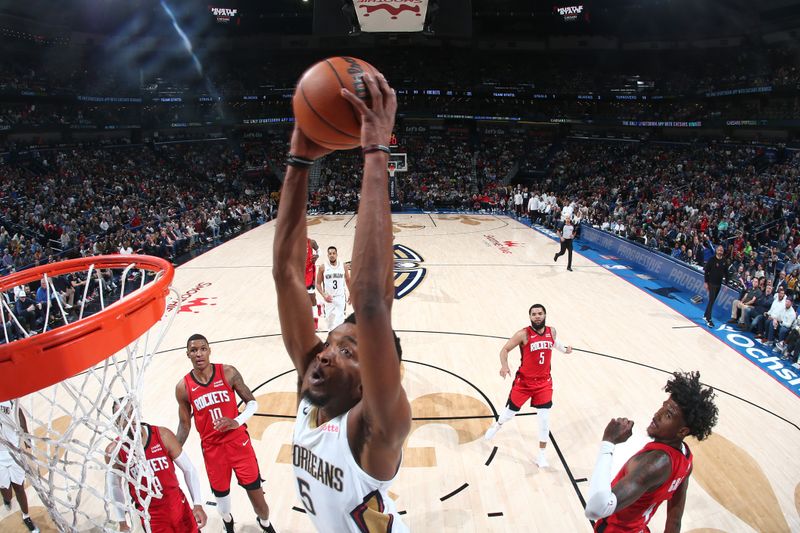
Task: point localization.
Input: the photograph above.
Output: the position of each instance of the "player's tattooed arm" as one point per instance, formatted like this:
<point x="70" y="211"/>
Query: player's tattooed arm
<point x="184" y="413"/>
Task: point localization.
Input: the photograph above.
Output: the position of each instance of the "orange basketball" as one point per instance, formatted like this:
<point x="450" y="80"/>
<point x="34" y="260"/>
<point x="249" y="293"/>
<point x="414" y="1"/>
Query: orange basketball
<point x="321" y="111"/>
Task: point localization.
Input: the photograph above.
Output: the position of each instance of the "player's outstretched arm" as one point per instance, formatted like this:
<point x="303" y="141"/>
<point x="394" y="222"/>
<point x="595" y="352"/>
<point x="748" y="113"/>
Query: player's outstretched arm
<point x="288" y="258"/>
<point x="675" y="508"/>
<point x="514" y="342"/>
<point x="190" y="475"/>
<point x="645" y="472"/>
<point x="184" y="413"/>
<point x="384" y="405"/>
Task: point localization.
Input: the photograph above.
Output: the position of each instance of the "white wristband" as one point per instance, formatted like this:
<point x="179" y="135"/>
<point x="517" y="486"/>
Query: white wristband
<point x="560" y="346"/>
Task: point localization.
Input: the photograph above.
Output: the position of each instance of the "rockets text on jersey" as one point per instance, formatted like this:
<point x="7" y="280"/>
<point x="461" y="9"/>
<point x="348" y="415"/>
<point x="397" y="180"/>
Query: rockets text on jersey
<point x="210" y="401"/>
<point x="536" y="354"/>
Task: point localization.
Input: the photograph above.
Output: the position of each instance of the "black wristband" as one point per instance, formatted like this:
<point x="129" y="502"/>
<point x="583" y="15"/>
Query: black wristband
<point x="299" y="162"/>
<point x="376" y="148"/>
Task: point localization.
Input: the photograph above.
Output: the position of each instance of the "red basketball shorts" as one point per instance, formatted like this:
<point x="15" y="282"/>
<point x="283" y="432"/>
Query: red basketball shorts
<point x="172" y="515"/>
<point x="236" y="455"/>
<point x="539" y="391"/>
<point x="310" y="280"/>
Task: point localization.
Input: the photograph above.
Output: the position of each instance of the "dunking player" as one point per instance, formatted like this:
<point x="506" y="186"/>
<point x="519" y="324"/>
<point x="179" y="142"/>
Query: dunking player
<point x="533" y="380"/>
<point x="12" y="477"/>
<point x="312" y="254"/>
<point x="353" y="416"/>
<point x="332" y="277"/>
<point x="660" y="471"/>
<point x="171" y="512"/>
<point x="207" y="393"/>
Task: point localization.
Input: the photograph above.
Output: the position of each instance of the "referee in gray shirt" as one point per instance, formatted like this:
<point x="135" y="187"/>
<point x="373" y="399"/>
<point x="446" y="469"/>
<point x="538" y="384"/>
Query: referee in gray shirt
<point x="566" y="234"/>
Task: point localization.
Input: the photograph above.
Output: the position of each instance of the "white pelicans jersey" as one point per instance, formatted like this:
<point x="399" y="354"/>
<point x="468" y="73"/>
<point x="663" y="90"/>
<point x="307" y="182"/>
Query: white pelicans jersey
<point x="337" y="494"/>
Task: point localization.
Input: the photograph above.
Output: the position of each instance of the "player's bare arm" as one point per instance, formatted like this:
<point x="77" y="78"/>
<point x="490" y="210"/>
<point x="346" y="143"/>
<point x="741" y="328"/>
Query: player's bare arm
<point x="675" y="508"/>
<point x="514" y="342"/>
<point x="347" y="266"/>
<point x="234" y="378"/>
<point x="384" y="411"/>
<point x="321" y="283"/>
<point x="558" y="345"/>
<point x="645" y="472"/>
<point x="288" y="259"/>
<point x="184" y="413"/>
<point x="190" y="475"/>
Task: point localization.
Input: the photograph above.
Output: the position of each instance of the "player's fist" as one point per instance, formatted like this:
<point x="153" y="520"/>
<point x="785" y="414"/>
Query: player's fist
<point x="199" y="516"/>
<point x="504" y="371"/>
<point x="568" y="350"/>
<point x="618" y="430"/>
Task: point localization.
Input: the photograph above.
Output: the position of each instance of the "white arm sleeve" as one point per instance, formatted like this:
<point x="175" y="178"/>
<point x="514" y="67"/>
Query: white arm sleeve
<point x="601" y="501"/>
<point x="115" y="495"/>
<point x="191" y="477"/>
<point x="558" y="345"/>
<point x="249" y="410"/>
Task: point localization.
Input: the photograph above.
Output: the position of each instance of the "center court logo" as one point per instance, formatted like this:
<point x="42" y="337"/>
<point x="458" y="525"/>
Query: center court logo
<point x="408" y="273"/>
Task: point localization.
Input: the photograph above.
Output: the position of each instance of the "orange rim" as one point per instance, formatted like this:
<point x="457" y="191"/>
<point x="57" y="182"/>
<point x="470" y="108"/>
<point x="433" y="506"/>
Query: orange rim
<point x="36" y="362"/>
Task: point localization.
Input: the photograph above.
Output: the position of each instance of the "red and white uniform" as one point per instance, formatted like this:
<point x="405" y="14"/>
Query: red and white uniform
<point x="634" y="518"/>
<point x="223" y="451"/>
<point x="533" y="378"/>
<point x="311" y="268"/>
<point x="171" y="512"/>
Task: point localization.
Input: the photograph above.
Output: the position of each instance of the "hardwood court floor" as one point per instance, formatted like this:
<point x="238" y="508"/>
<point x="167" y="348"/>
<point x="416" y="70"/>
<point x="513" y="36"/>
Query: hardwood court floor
<point x="482" y="275"/>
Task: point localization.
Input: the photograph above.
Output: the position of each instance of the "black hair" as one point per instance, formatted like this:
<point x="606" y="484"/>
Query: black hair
<point x="534" y="306"/>
<point x="332" y="248"/>
<point x="196" y="337"/>
<point x="696" y="402"/>
<point x="351" y="319"/>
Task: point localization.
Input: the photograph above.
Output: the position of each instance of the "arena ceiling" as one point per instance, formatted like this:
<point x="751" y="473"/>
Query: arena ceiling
<point x="666" y="18"/>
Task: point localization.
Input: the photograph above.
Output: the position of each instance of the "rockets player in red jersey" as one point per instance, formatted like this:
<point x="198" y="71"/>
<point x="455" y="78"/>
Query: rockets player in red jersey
<point x="533" y="380"/>
<point x="171" y="512"/>
<point x="312" y="254"/>
<point x="658" y="472"/>
<point x="207" y="394"/>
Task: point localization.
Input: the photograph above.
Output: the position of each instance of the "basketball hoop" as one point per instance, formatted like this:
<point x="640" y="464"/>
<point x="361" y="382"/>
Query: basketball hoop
<point x="67" y="361"/>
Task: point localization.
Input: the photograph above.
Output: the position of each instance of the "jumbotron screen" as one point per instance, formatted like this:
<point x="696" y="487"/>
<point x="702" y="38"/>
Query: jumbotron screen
<point x="225" y="13"/>
<point x="577" y="12"/>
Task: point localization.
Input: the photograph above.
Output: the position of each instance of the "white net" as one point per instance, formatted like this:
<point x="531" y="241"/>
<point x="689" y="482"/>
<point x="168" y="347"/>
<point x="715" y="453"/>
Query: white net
<point x="68" y="437"/>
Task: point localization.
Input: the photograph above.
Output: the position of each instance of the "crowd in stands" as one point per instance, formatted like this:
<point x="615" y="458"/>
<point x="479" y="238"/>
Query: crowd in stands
<point x="164" y="200"/>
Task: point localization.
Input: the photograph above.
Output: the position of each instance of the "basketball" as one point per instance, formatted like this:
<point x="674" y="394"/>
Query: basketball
<point x="321" y="112"/>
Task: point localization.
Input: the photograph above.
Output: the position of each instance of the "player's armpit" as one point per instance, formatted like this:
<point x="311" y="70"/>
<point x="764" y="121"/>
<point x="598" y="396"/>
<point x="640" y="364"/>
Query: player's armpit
<point x="646" y="472"/>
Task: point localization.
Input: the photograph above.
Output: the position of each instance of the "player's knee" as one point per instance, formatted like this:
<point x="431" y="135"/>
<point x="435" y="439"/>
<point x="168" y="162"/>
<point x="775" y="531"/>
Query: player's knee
<point x="220" y="493"/>
<point x="254" y="485"/>
<point x="511" y="405"/>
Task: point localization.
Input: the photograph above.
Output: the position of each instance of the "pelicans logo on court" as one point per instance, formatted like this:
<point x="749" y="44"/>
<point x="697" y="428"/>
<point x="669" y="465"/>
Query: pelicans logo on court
<point x="408" y="273"/>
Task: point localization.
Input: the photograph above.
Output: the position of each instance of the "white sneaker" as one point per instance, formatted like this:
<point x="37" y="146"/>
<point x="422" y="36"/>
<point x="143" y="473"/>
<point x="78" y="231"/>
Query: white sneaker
<point x="541" y="461"/>
<point x="492" y="431"/>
